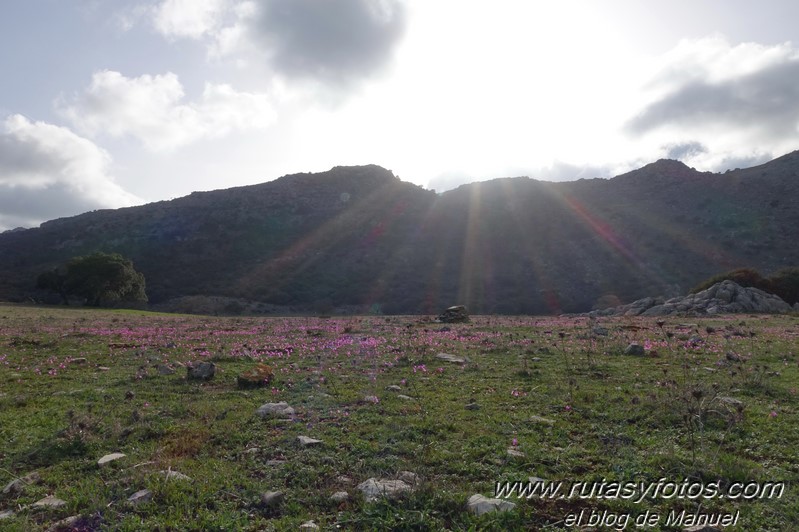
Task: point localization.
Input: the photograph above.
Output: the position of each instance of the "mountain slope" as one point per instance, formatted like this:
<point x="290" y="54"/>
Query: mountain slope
<point x="360" y="236"/>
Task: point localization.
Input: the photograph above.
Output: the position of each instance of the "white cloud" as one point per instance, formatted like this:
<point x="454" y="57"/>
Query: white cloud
<point x="188" y="18"/>
<point x="739" y="102"/>
<point x="151" y="109"/>
<point x="333" y="42"/>
<point x="47" y="171"/>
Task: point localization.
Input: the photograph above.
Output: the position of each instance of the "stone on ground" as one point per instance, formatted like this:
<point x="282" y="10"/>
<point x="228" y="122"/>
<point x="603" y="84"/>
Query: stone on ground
<point x="109" y="458"/>
<point x="203" y="371"/>
<point x="49" y="502"/>
<point x="479" y="505"/>
<point x="374" y="489"/>
<point x="305" y="441"/>
<point x="281" y="409"/>
<point x="141" y="496"/>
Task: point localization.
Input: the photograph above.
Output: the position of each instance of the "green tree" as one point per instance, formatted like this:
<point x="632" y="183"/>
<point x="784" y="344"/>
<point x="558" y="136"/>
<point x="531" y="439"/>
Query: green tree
<point x="54" y="281"/>
<point x="746" y="277"/>
<point x="100" y="278"/>
<point x="785" y="283"/>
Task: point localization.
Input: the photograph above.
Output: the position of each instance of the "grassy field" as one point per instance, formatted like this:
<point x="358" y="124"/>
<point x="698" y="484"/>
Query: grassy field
<point x="708" y="403"/>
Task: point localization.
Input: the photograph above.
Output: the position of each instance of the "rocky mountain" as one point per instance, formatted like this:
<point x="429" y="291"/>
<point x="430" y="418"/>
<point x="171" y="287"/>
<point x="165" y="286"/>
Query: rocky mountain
<point x="359" y="237"/>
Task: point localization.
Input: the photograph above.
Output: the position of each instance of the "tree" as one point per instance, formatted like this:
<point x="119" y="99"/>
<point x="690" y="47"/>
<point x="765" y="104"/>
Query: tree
<point x="785" y="283"/>
<point x="746" y="277"/>
<point x="54" y="281"/>
<point x="99" y="278"/>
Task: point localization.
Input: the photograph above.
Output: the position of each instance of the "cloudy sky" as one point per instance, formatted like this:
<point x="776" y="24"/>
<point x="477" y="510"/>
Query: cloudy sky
<point x="109" y="103"/>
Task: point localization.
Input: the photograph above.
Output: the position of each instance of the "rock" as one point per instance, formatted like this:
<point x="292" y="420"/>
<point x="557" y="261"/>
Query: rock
<point x="635" y="350"/>
<point x="140" y="497"/>
<point x="394" y="388"/>
<point x="726" y="297"/>
<point x="600" y="331"/>
<point x="305" y="441"/>
<point x="309" y="525"/>
<point x="479" y="505"/>
<point x="472" y="406"/>
<point x="109" y="458"/>
<point x="255" y="377"/>
<point x="451" y="358"/>
<point x="6" y="514"/>
<point x="79" y="360"/>
<point x="281" y="409"/>
<point x="175" y="475"/>
<point x="49" y="502"/>
<point x="203" y="371"/>
<point x="404" y="397"/>
<point x="18" y="485"/>
<point x="374" y="489"/>
<point x="164" y="369"/>
<point x="339" y="497"/>
<point x="513" y="453"/>
<point x="272" y="499"/>
<point x="68" y="523"/>
<point x="456" y="314"/>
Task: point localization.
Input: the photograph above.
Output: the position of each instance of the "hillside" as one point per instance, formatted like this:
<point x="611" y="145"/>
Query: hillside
<point x="360" y="236"/>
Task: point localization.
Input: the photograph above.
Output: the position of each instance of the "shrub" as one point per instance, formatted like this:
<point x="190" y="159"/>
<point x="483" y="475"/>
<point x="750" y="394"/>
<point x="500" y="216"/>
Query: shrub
<point x="746" y="277"/>
<point x="785" y="284"/>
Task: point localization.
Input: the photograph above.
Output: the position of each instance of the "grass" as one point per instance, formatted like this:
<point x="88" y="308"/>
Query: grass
<point x="712" y="400"/>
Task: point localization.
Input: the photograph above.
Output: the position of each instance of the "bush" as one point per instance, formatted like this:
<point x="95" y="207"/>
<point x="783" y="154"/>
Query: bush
<point x="746" y="277"/>
<point x="785" y="284"/>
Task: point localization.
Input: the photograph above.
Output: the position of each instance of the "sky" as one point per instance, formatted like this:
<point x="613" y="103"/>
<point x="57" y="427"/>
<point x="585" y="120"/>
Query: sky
<point x="113" y="103"/>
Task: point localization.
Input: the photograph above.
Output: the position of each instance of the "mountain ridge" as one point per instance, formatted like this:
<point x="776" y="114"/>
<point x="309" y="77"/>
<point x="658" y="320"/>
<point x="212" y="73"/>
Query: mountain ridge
<point x="361" y="237"/>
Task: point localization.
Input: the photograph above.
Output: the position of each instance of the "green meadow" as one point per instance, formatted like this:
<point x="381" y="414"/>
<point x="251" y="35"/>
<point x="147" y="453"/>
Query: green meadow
<point x="703" y="405"/>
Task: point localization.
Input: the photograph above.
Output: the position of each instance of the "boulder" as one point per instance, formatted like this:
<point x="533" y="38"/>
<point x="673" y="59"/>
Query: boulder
<point x="456" y="314"/>
<point x="255" y="377"/>
<point x="635" y="350"/>
<point x="726" y="297"/>
<point x="201" y="371"/>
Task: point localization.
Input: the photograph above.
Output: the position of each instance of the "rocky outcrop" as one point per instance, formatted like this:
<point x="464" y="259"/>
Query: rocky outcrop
<point x="725" y="297"/>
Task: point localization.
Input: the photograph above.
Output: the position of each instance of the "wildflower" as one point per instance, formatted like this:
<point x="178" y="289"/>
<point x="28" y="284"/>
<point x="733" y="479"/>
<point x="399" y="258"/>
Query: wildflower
<point x="773" y="414"/>
<point x="568" y="408"/>
<point x="514" y="442"/>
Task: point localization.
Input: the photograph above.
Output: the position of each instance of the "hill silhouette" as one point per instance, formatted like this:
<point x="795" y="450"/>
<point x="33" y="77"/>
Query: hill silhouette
<point x="360" y="237"/>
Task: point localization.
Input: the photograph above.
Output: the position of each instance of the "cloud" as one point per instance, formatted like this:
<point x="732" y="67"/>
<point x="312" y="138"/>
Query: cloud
<point x="684" y="150"/>
<point x="151" y="109"/>
<point x="332" y="42"/>
<point x="47" y="171"/>
<point x="188" y="18"/>
<point x="750" y="87"/>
